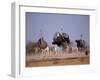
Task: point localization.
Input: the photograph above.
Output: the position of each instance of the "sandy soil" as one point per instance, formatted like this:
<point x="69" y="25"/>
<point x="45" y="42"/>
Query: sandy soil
<point x="57" y="59"/>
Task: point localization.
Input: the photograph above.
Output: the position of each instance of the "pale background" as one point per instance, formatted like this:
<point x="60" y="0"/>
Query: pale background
<point x="5" y="41"/>
<point x="72" y="24"/>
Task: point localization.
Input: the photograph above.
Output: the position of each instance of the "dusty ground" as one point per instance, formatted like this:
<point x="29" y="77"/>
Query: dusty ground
<point x="57" y="59"/>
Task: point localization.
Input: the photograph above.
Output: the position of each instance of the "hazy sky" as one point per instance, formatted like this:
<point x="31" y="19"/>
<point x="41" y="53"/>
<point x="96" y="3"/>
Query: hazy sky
<point x="49" y="23"/>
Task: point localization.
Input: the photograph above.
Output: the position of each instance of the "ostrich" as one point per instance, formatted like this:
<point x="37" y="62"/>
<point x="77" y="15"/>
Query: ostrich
<point x="81" y="44"/>
<point x="61" y="40"/>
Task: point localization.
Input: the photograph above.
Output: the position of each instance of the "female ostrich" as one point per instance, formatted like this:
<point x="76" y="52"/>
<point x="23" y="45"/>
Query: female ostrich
<point x="42" y="43"/>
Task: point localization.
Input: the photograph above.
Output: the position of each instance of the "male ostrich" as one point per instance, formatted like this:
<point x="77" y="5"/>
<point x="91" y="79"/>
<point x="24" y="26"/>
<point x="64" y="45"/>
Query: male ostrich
<point x="81" y="45"/>
<point x="58" y="39"/>
<point x="61" y="40"/>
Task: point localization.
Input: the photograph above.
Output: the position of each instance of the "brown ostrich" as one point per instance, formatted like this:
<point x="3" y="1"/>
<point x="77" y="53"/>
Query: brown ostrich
<point x="42" y="44"/>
